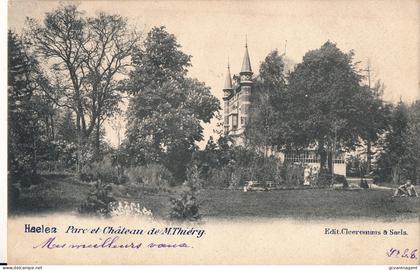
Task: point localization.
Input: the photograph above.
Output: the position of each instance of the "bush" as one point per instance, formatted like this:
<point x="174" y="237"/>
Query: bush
<point x="268" y="171"/>
<point x="152" y="176"/>
<point x="324" y="179"/>
<point x="341" y="179"/>
<point x="186" y="207"/>
<point x="194" y="181"/>
<point x="219" y="178"/>
<point x="99" y="201"/>
<point x="228" y="176"/>
<point x="235" y="175"/>
<point x="238" y="178"/>
<point x="363" y="183"/>
<point x="376" y="179"/>
<point x="103" y="171"/>
<point x="292" y="174"/>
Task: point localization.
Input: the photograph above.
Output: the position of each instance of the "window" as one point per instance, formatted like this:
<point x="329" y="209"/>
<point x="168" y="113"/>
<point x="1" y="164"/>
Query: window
<point x="339" y="158"/>
<point x="235" y="121"/>
<point x="304" y="157"/>
<point x="245" y="108"/>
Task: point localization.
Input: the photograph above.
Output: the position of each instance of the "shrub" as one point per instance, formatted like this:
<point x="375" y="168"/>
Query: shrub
<point x="341" y="179"/>
<point x="219" y="178"/>
<point x="363" y="183"/>
<point x="103" y="171"/>
<point x="267" y="171"/>
<point x="194" y="181"/>
<point x="324" y="179"/>
<point x="292" y="174"/>
<point x="237" y="178"/>
<point x="186" y="207"/>
<point x="376" y="179"/>
<point x="235" y="175"/>
<point x="228" y="177"/>
<point x="152" y="176"/>
<point x="99" y="201"/>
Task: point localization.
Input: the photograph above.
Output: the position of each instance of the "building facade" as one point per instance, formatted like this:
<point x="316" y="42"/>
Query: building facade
<point x="236" y="99"/>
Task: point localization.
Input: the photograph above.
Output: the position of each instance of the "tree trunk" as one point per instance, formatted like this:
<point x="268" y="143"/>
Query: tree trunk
<point x="79" y="146"/>
<point x="330" y="162"/>
<point x="322" y="155"/>
<point x="97" y="139"/>
<point x="395" y="174"/>
<point x="34" y="156"/>
<point x="368" y="156"/>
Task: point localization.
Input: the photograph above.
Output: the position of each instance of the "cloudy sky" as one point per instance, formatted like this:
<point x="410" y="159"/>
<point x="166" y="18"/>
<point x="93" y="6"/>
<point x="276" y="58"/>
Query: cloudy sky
<point x="384" y="32"/>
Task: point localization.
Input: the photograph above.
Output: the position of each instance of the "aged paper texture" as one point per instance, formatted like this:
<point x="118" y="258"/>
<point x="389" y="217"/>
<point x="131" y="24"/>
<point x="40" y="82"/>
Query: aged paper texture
<point x="213" y="132"/>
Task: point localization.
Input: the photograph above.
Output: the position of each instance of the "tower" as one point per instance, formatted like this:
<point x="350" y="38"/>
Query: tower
<point x="236" y="100"/>
<point x="244" y="95"/>
<point x="227" y="93"/>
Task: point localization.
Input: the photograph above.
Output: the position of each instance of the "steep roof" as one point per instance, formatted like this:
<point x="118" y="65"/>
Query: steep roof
<point x="246" y="63"/>
<point x="228" y="80"/>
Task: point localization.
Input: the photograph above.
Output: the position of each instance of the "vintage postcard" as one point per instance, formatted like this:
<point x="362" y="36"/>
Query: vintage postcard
<point x="212" y="132"/>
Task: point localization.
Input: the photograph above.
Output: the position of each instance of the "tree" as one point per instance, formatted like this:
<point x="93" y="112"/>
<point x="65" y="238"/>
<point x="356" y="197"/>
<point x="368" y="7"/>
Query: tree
<point x="391" y="160"/>
<point x="88" y="57"/>
<point x="107" y="57"/>
<point x="28" y="114"/>
<point x="159" y="62"/>
<point x="413" y="143"/>
<point x="400" y="156"/>
<point x="66" y="129"/>
<point x="374" y="122"/>
<point x="325" y="106"/>
<point x="166" y="108"/>
<point x="265" y="127"/>
<point x="22" y="157"/>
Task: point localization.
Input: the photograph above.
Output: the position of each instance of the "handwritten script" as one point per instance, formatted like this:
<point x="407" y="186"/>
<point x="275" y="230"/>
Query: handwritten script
<point x="110" y="242"/>
<point x="406" y="253"/>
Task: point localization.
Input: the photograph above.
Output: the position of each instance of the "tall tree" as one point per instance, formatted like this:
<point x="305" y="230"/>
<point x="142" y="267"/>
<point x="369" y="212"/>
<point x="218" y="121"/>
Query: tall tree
<point x="268" y="109"/>
<point x="21" y="135"/>
<point x="375" y="120"/>
<point x="395" y="149"/>
<point x="167" y="108"/>
<point x="87" y="56"/>
<point x="108" y="51"/>
<point x="66" y="128"/>
<point x="324" y="92"/>
<point x="413" y="143"/>
<point x="159" y="61"/>
<point x="29" y="129"/>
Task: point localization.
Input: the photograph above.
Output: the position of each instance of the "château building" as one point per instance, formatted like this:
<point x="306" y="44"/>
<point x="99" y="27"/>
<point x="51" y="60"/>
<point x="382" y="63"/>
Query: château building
<point x="237" y="95"/>
<point x="237" y="102"/>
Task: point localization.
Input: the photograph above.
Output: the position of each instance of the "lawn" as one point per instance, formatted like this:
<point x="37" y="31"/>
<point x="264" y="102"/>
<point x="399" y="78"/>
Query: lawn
<point x="63" y="194"/>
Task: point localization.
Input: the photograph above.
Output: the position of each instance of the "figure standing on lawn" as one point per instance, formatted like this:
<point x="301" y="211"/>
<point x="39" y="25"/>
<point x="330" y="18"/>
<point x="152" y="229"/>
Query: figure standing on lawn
<point x="406" y="190"/>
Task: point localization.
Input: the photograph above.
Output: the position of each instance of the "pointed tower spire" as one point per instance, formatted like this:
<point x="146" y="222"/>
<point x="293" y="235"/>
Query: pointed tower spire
<point x="246" y="63"/>
<point x="228" y="80"/>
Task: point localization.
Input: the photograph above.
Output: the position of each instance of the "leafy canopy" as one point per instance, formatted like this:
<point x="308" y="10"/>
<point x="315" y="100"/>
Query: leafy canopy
<point x="167" y="108"/>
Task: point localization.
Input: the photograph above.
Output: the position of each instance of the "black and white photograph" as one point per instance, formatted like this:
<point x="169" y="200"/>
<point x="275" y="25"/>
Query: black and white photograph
<point x="294" y="115"/>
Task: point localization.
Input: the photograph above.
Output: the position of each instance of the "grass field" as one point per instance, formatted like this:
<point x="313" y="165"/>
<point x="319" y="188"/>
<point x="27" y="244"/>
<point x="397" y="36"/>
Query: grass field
<point x="65" y="195"/>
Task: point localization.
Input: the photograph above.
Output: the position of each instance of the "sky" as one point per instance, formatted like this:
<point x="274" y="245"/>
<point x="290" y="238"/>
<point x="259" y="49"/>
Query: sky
<point x="385" y="33"/>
